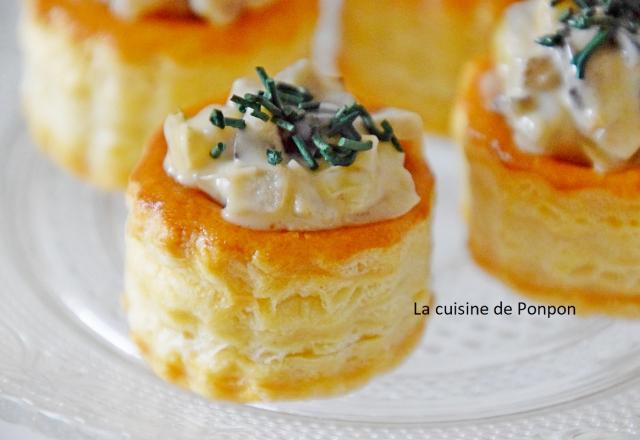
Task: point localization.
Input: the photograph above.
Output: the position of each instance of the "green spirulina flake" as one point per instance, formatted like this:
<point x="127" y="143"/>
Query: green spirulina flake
<point x="217" y="150"/>
<point x="274" y="157"/>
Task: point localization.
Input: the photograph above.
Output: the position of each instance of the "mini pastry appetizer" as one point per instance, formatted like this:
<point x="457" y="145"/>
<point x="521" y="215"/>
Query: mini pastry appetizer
<point x="551" y="132"/>
<point x="409" y="53"/>
<point x="276" y="244"/>
<point x="101" y="75"/>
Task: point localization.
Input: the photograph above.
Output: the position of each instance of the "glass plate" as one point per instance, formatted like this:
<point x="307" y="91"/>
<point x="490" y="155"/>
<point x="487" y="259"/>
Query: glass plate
<point x="68" y="369"/>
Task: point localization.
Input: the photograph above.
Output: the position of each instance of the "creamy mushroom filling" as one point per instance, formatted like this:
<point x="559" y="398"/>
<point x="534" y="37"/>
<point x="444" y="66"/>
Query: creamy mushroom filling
<point x="295" y="152"/>
<point x="568" y="80"/>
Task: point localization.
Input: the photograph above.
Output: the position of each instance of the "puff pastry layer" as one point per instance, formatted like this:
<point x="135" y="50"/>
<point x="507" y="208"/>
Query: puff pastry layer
<point x="96" y="86"/>
<point x="246" y="315"/>
<point x="560" y="232"/>
<point x="409" y="53"/>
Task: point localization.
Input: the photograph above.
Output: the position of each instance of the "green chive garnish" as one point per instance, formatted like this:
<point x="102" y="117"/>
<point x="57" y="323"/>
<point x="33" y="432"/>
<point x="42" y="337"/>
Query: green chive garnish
<point x="396" y="143"/>
<point x="262" y="74"/>
<point x="291" y="99"/>
<point x="580" y="59"/>
<point x="271" y="107"/>
<point x="220" y="121"/>
<point x="285" y="125"/>
<point x="319" y="142"/>
<point x="608" y="16"/>
<point x="566" y="15"/>
<point x="217" y="118"/>
<point x="350" y="132"/>
<point x="304" y="152"/>
<point x="389" y="136"/>
<point x="260" y="115"/>
<point x="274" y="157"/>
<point x="294" y="113"/>
<point x="291" y="108"/>
<point x="235" y="123"/>
<point x="217" y="150"/>
<point x="271" y="93"/>
<point x="550" y="40"/>
<point x="295" y="90"/>
<point x="370" y="125"/>
<point x="344" y="118"/>
<point x="343" y="159"/>
<point x="350" y="144"/>
<point x="310" y="105"/>
<point x="250" y="97"/>
<point x="244" y="103"/>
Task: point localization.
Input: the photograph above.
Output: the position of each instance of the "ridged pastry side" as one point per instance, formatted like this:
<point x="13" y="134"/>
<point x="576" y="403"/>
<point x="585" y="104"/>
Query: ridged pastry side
<point x="95" y="87"/>
<point x="560" y="232"/>
<point x="247" y="315"/>
<point x="248" y="334"/>
<point x="409" y="53"/>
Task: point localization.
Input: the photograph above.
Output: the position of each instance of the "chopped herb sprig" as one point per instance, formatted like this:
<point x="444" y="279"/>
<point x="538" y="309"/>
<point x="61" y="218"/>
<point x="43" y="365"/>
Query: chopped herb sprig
<point x="274" y="157"/>
<point x="296" y="113"/>
<point x="608" y="16"/>
<point x="217" y="150"/>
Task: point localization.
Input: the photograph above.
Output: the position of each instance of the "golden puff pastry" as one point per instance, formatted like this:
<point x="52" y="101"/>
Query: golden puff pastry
<point x="95" y="85"/>
<point x="558" y="231"/>
<point x="242" y="314"/>
<point x="409" y="53"/>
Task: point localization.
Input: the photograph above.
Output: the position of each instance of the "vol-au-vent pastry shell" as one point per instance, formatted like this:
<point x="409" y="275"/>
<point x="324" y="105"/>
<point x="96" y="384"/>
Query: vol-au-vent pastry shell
<point x="115" y="79"/>
<point x="409" y="53"/>
<point x="561" y="232"/>
<point x="590" y="115"/>
<point x="244" y="314"/>
<point x="374" y="186"/>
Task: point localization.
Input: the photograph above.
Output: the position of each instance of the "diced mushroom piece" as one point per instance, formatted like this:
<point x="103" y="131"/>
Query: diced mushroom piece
<point x="523" y="104"/>
<point x="541" y="75"/>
